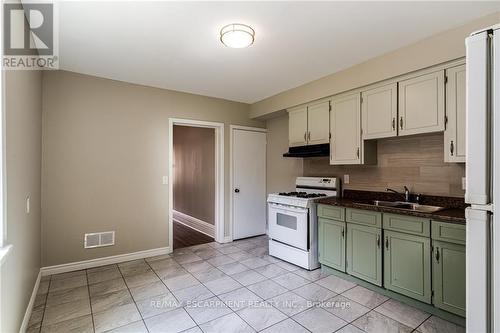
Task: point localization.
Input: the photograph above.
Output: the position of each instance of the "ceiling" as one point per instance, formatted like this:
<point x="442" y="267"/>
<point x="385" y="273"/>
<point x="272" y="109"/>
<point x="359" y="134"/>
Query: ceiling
<point x="175" y="45"/>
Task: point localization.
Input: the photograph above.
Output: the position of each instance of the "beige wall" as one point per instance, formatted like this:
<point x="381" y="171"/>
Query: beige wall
<point x="105" y="150"/>
<point x="194" y="172"/>
<point x="437" y="49"/>
<point x="23" y="112"/>
<point x="416" y="162"/>
<point x="281" y="171"/>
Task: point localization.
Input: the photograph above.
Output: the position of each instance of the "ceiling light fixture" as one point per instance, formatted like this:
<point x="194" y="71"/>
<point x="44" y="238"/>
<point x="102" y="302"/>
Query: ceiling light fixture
<point x="237" y="35"/>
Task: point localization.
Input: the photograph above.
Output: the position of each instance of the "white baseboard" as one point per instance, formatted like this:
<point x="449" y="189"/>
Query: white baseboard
<point x="75" y="266"/>
<point x="29" y="308"/>
<point x="194" y="223"/>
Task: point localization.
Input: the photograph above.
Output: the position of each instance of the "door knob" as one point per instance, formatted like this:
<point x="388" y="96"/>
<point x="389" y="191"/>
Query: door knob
<point x="236" y="190"/>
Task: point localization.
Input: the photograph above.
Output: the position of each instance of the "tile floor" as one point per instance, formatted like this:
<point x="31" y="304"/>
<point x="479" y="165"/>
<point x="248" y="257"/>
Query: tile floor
<point x="235" y="287"/>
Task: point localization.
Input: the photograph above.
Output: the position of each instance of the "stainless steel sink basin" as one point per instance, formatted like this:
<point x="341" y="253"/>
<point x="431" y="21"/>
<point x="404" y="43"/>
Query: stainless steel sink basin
<point x="405" y="206"/>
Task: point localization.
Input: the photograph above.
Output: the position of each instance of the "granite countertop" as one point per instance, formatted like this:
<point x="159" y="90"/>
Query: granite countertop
<point x="454" y="213"/>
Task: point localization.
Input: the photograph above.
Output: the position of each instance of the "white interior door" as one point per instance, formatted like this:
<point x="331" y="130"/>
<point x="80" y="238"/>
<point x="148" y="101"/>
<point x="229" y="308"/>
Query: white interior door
<point x="249" y="183"/>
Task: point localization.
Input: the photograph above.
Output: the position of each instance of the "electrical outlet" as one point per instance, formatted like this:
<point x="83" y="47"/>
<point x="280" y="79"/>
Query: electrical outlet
<point x="463" y="183"/>
<point x="164" y="180"/>
<point x="346" y="179"/>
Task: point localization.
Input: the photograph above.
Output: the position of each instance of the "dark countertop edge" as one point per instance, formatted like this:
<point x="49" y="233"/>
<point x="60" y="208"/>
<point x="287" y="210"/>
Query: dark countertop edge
<point x="450" y="215"/>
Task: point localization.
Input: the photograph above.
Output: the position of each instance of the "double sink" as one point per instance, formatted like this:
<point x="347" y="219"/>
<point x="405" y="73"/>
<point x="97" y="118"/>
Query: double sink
<point x="404" y="206"/>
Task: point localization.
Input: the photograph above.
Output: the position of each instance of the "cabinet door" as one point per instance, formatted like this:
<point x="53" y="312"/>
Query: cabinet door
<point x="407" y="265"/>
<point x="297" y="126"/>
<point x="331" y="243"/>
<point x="364" y="253"/>
<point x="318" y="123"/>
<point x="421" y="104"/>
<point x="345" y="125"/>
<point x="454" y="135"/>
<point x="379" y="112"/>
<point x="448" y="265"/>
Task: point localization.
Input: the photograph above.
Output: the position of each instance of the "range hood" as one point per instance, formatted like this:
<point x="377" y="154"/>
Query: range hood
<point x="309" y="151"/>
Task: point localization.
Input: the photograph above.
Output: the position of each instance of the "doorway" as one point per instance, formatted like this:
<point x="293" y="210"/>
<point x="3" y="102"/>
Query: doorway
<point x="196" y="182"/>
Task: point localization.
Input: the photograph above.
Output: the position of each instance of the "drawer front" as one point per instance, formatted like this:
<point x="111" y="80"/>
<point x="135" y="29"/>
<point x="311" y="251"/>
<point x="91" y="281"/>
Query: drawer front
<point x="331" y="212"/>
<point x="407" y="224"/>
<point x="448" y="232"/>
<point x="365" y="217"/>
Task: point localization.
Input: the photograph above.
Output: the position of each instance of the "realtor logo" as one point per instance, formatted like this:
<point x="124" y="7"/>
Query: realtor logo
<point x="29" y="40"/>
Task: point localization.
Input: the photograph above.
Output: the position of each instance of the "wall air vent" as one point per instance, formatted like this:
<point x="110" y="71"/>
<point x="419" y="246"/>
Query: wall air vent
<point x="99" y="239"/>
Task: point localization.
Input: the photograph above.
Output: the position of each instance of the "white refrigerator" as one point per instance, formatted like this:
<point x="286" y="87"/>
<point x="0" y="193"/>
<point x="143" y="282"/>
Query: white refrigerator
<point x="483" y="181"/>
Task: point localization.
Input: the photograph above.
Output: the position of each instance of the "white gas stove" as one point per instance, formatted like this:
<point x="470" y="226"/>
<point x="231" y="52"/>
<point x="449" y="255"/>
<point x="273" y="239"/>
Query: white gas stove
<point x="293" y="227"/>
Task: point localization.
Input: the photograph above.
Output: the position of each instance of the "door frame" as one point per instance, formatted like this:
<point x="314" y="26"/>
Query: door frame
<point x="219" y="174"/>
<point x="232" y="128"/>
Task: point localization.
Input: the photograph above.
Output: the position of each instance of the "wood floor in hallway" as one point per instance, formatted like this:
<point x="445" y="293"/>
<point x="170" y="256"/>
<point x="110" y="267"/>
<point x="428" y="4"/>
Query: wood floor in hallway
<point x="185" y="236"/>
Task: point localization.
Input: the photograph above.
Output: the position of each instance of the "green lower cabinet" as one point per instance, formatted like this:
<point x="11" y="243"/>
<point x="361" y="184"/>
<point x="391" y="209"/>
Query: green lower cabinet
<point x="448" y="266"/>
<point x="364" y="253"/>
<point x="407" y="265"/>
<point x="331" y="243"/>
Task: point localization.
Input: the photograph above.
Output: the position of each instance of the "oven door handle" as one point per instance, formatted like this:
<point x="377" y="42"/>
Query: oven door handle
<point x="282" y="208"/>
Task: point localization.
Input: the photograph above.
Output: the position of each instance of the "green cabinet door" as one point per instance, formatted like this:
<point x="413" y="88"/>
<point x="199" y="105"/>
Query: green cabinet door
<point x="364" y="253"/>
<point x="331" y="243"/>
<point x="407" y="265"/>
<point x="448" y="265"/>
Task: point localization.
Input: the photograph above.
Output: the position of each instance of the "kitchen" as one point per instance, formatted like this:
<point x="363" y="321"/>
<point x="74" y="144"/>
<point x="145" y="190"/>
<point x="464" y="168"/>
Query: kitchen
<point x="406" y="133"/>
<point x="404" y="242"/>
<point x="352" y="192"/>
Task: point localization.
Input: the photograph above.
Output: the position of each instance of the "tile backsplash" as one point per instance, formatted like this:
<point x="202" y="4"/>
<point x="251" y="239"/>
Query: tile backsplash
<point x="415" y="161"/>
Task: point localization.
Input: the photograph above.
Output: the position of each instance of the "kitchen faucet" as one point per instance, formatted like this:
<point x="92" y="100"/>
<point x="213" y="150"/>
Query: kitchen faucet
<point x="406" y="194"/>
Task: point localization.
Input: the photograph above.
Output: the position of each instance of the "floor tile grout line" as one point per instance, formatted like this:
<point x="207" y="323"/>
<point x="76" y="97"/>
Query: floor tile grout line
<point x="415" y="329"/>
<point x="300" y="324"/>
<point x="90" y="300"/>
<point x="232" y="311"/>
<point x="173" y="295"/>
<point x="389" y="299"/>
<point x="132" y="297"/>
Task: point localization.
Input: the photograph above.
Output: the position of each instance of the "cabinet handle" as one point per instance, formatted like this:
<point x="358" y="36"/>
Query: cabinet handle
<point x="378" y="241"/>
<point x="452" y="147"/>
<point x="308" y="136"/>
<point x="387" y="242"/>
<point x="393" y="124"/>
<point x="401" y="122"/>
<point x="343" y="233"/>
<point x="357" y="152"/>
<point x="305" y="136"/>
<point x="437" y="254"/>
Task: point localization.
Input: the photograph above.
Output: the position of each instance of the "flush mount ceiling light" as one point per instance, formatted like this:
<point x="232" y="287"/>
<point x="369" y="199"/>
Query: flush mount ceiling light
<point x="237" y="35"/>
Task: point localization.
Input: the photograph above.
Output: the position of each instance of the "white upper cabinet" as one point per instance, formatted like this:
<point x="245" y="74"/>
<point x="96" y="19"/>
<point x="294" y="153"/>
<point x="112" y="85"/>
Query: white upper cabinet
<point x="454" y="134"/>
<point x="297" y="126"/>
<point x="318" y="123"/>
<point x="379" y="112"/>
<point x="345" y="125"/>
<point x="421" y="104"/>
